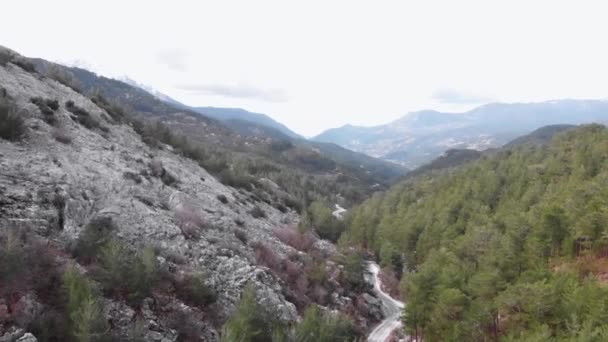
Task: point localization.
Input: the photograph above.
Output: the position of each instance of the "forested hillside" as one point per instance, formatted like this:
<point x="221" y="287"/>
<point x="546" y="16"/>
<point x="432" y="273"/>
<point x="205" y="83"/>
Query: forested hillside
<point x="510" y="247"/>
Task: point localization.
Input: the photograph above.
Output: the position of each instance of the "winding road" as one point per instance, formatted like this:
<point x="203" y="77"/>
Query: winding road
<point x="392" y="309"/>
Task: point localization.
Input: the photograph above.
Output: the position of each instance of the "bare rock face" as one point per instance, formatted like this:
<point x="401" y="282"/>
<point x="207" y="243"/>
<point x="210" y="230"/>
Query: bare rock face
<point x="56" y="188"/>
<point x="27" y="337"/>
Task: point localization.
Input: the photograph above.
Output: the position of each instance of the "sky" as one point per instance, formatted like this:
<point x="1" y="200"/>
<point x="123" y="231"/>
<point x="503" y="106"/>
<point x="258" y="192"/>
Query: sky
<point x="314" y="65"/>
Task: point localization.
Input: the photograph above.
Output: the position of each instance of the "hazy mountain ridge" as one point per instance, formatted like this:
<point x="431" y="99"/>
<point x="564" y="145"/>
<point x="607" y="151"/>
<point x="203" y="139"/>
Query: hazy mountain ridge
<point x="420" y="136"/>
<point x="228" y="114"/>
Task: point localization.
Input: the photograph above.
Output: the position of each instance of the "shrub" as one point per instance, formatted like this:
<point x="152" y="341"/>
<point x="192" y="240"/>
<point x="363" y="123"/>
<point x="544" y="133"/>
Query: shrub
<point x="156" y="168"/>
<point x="192" y="290"/>
<point x="187" y="327"/>
<point x="116" y="111"/>
<point x="83" y="308"/>
<point x="319" y="326"/>
<point x="239" y="222"/>
<point x="281" y="207"/>
<point x="267" y="256"/>
<point x="250" y="321"/>
<point x="64" y="77"/>
<point x="47" y="108"/>
<point x="12" y="126"/>
<point x="124" y="273"/>
<point x="175" y="258"/>
<point x="5" y="56"/>
<point x="290" y="236"/>
<point x="325" y="224"/>
<point x="168" y="179"/>
<point x="257" y="212"/>
<point x="132" y="176"/>
<point x="52" y="325"/>
<point x="83" y="117"/>
<point x="24" y="63"/>
<point x="94" y="236"/>
<point x="25" y="264"/>
<point x="241" y="235"/>
<point x="222" y="198"/>
<point x="189" y="221"/>
<point x="237" y="180"/>
<point x="353" y="272"/>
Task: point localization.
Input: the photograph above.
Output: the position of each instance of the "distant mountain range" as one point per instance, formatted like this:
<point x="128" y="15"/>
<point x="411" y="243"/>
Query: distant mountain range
<point x="232" y="117"/>
<point x="455" y="157"/>
<point x="231" y="114"/>
<point x="411" y="141"/>
<point x="419" y="137"/>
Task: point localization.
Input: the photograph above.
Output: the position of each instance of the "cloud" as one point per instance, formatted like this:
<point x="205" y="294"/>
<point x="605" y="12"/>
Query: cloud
<point x="453" y="96"/>
<point x="174" y="59"/>
<point x="240" y="90"/>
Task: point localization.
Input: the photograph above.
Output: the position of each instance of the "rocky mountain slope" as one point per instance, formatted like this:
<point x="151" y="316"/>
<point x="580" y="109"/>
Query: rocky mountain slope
<point x="73" y="171"/>
<point x="421" y="136"/>
<point x="285" y="160"/>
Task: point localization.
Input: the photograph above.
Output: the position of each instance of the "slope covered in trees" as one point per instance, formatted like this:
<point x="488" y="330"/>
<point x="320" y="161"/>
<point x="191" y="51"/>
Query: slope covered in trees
<point x="510" y="247"/>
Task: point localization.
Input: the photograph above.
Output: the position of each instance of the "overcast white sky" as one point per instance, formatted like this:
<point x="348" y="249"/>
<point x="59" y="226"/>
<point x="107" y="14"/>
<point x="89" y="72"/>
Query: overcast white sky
<point x="314" y="65"/>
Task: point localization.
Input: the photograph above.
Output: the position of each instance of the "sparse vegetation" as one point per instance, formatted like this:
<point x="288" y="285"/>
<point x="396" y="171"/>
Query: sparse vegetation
<point x="132" y="176"/>
<point x="186" y="326"/>
<point x="12" y="126"/>
<point x="292" y="237"/>
<point x="118" y="113"/>
<point x="126" y="273"/>
<point x="5" y="56"/>
<point x="24" y="63"/>
<point x="95" y="235"/>
<point x="83" y="308"/>
<point x="241" y="234"/>
<point x="83" y="117"/>
<point x="319" y="217"/>
<point x="321" y="326"/>
<point x="63" y="76"/>
<point x="193" y="290"/>
<point x="251" y="322"/>
<point x="47" y="107"/>
<point x="257" y="212"/>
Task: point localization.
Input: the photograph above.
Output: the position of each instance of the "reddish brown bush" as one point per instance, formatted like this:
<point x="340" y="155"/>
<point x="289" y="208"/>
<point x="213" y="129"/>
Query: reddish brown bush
<point x="290" y="236"/>
<point x="26" y="264"/>
<point x="319" y="294"/>
<point x="266" y="256"/>
<point x="189" y="220"/>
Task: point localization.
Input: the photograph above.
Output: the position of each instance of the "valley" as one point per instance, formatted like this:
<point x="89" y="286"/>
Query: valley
<point x="126" y="215"/>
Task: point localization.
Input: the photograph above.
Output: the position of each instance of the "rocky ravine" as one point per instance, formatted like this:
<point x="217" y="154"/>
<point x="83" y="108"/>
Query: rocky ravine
<point x="114" y="174"/>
